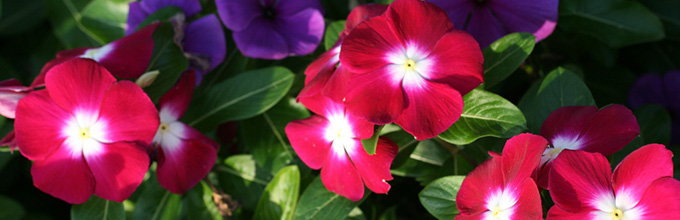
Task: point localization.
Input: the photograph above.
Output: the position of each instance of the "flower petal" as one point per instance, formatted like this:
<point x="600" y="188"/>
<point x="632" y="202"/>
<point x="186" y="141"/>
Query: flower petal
<point x="661" y="200"/>
<point x="528" y="204"/>
<point x="78" y="84"/>
<point x="609" y="130"/>
<point x="176" y="101"/>
<point x="361" y="13"/>
<point x="432" y="108"/>
<point x="478" y="186"/>
<point x="286" y="8"/>
<point x="118" y="168"/>
<point x="365" y="49"/>
<point x="65" y="175"/>
<point x="648" y="89"/>
<point x="340" y="176"/>
<point x="566" y="123"/>
<point x="39" y="125"/>
<point x="640" y="168"/>
<point x="521" y="155"/>
<point x="204" y="37"/>
<point x="238" y="15"/>
<point x="556" y="213"/>
<point x="128" y="114"/>
<point x="303" y="30"/>
<point x="190" y="7"/>
<point x="458" y="62"/>
<point x="307" y="139"/>
<point x="184" y="165"/>
<point x="579" y="180"/>
<point x="527" y="16"/>
<point x="129" y="56"/>
<point x="375" y="169"/>
<point x="458" y="11"/>
<point x="261" y="40"/>
<point x="407" y="17"/>
<point x="135" y="16"/>
<point x="375" y="96"/>
<point x="337" y="85"/>
<point x="485" y="27"/>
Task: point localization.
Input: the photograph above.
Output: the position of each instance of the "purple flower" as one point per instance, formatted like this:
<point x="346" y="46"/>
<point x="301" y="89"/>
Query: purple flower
<point x="663" y="90"/>
<point x="201" y="40"/>
<point x="273" y="29"/>
<point x="489" y="20"/>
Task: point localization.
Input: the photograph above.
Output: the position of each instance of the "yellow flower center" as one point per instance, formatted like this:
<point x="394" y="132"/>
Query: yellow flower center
<point x="496" y="211"/>
<point x="617" y="214"/>
<point x="84" y="133"/>
<point x="410" y="65"/>
<point x="163" y="127"/>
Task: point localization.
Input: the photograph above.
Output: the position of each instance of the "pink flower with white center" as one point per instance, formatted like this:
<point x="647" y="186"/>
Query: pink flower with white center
<point x="185" y="155"/>
<point x="86" y="133"/>
<point x="409" y="66"/>
<point x="331" y="141"/>
<point x="642" y="187"/>
<point x="585" y="128"/>
<point x="501" y="187"/>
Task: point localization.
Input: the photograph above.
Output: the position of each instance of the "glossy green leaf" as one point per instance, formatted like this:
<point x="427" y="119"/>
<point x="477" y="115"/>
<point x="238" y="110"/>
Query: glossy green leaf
<point x="200" y="204"/>
<point x="103" y="20"/>
<point x="10" y="209"/>
<point x="65" y="26"/>
<point x="356" y="214"/>
<point x="655" y="124"/>
<point x="317" y="202"/>
<point x="429" y="151"/>
<point x="155" y="202"/>
<point x="168" y="59"/>
<point x="280" y="196"/>
<point x="667" y="10"/>
<point x="439" y="197"/>
<point x="371" y="144"/>
<point x="503" y="57"/>
<point x="98" y="208"/>
<point x="560" y="88"/>
<point x="332" y="33"/>
<point x="617" y="23"/>
<point x="240" y="97"/>
<point x="243" y="179"/>
<point x="485" y="114"/>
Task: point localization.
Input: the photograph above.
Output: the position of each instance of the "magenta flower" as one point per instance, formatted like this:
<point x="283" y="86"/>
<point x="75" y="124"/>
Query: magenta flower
<point x="663" y="90"/>
<point x="642" y="187"/>
<point x="184" y="155"/>
<point x="86" y="133"/>
<point x="501" y="187"/>
<point x="331" y="141"/>
<point x="273" y="29"/>
<point x="585" y="128"/>
<point x="202" y="40"/>
<point x="489" y="20"/>
<point x="410" y="71"/>
<point x="11" y="91"/>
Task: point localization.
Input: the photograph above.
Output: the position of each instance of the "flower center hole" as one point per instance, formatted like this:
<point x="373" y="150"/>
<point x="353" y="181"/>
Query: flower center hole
<point x="496" y="211"/>
<point x="84" y="133"/>
<point x="410" y="65"/>
<point x="164" y="127"/>
<point x="269" y="13"/>
<point x="617" y="214"/>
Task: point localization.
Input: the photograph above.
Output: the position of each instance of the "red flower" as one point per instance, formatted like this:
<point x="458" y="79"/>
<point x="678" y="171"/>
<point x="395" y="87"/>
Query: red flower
<point x="642" y="187"/>
<point x="501" y="187"/>
<point x="585" y="128"/>
<point x="86" y="133"/>
<point x="185" y="155"/>
<point x="411" y="67"/>
<point x="331" y="142"/>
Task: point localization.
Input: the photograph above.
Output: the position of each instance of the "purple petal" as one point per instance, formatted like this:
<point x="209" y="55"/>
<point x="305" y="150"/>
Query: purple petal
<point x="671" y="84"/>
<point x="237" y="15"/>
<point x="648" y="89"/>
<point x="303" y="31"/>
<point x="190" y="7"/>
<point x="458" y="11"/>
<point x="485" y="27"/>
<point x="533" y="16"/>
<point x="260" y="40"/>
<point x="135" y="16"/>
<point x="205" y="37"/>
<point x="291" y="7"/>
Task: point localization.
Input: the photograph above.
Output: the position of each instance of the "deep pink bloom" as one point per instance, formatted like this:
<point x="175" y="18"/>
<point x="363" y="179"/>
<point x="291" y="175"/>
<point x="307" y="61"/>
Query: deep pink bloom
<point x="642" y="187"/>
<point x="409" y="66"/>
<point x="585" y="128"/>
<point x="86" y="133"/>
<point x="501" y="187"/>
<point x="184" y="155"/>
<point x="331" y="141"/>
<point x="11" y="91"/>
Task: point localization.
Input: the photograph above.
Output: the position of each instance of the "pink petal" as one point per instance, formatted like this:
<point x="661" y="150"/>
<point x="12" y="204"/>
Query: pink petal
<point x="177" y="99"/>
<point x="478" y="186"/>
<point x="567" y="122"/>
<point x="324" y="63"/>
<point x="432" y="108"/>
<point x="556" y="213"/>
<point x="578" y="179"/>
<point x="458" y="62"/>
<point x="375" y="96"/>
<point x="640" y="168"/>
<point x="64" y="174"/>
<point x="316" y="81"/>
<point x="521" y="155"/>
<point x="611" y="129"/>
<point x="407" y="18"/>
<point x="340" y="176"/>
<point x="128" y="113"/>
<point x="366" y="47"/>
<point x="661" y="200"/>
<point x="362" y="13"/>
<point x="185" y="164"/>
<point x="8" y="102"/>
<point x="542" y="175"/>
<point x="39" y="80"/>
<point x="328" y="108"/>
<point x="38" y="125"/>
<point x="78" y="84"/>
<point x="307" y="139"/>
<point x="528" y="206"/>
<point x="375" y="169"/>
<point x="118" y="169"/>
<point x="337" y="85"/>
<point x="474" y="216"/>
<point x="72" y="53"/>
<point x="10" y="141"/>
<point x="130" y="55"/>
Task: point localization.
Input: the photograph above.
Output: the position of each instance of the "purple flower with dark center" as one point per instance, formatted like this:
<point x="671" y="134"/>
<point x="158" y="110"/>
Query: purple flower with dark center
<point x="663" y="90"/>
<point x="202" y="40"/>
<point x="489" y="20"/>
<point x="273" y="29"/>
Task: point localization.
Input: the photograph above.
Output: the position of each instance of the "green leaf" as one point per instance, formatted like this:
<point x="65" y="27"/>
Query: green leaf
<point x="155" y="202"/>
<point x="485" y="114"/>
<point x="98" y="208"/>
<point x="241" y="178"/>
<point x="431" y="152"/>
<point x="104" y="20"/>
<point x="655" y="124"/>
<point x="667" y="10"/>
<point x="332" y="33"/>
<point x="503" y="57"/>
<point x="200" y="203"/>
<point x="240" y="97"/>
<point x="317" y="202"/>
<point x="168" y="59"/>
<point x="161" y="15"/>
<point x="439" y="197"/>
<point x="65" y="26"/>
<point x="560" y="88"/>
<point x="280" y="196"/>
<point x="356" y="214"/>
<point x="19" y="17"/>
<point x="10" y="209"/>
<point x="617" y="23"/>
<point x="372" y="143"/>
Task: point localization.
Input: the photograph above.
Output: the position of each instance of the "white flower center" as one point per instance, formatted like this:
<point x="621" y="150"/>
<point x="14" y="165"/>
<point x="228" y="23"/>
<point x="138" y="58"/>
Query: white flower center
<point x="500" y="205"/>
<point x="99" y="53"/>
<point x="619" y="207"/>
<point x="410" y="65"/>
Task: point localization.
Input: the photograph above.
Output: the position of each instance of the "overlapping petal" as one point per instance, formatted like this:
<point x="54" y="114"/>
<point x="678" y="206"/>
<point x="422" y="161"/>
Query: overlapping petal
<point x="375" y="169"/>
<point x="301" y="37"/>
<point x="38" y="125"/>
<point x="307" y="138"/>
<point x="640" y="168"/>
<point x="579" y="179"/>
<point x="261" y="40"/>
<point x="78" y="84"/>
<point x="417" y="21"/>
<point x="376" y="97"/>
<point x="204" y="38"/>
<point x="459" y="62"/>
<point x="182" y="164"/>
<point x="64" y="174"/>
<point x="118" y="169"/>
<point x="339" y="174"/>
<point x="441" y="104"/>
<point x="128" y="113"/>
<point x="661" y="199"/>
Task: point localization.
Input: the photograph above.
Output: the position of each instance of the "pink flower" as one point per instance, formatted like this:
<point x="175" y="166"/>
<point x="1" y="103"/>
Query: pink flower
<point x="642" y="187"/>
<point x="11" y="91"/>
<point x="585" y="128"/>
<point x="409" y="66"/>
<point x="501" y="187"/>
<point x="185" y="155"/>
<point x="331" y="141"/>
<point x="86" y="133"/>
